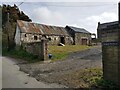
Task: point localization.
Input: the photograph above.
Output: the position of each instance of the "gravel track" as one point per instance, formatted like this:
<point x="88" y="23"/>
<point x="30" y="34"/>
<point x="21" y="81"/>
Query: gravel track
<point x="53" y="72"/>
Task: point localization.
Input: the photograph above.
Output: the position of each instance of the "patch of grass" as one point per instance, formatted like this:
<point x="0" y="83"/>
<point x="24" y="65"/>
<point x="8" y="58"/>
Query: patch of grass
<point x="93" y="78"/>
<point x="61" y="52"/>
<point x="83" y="78"/>
<point x="21" y="54"/>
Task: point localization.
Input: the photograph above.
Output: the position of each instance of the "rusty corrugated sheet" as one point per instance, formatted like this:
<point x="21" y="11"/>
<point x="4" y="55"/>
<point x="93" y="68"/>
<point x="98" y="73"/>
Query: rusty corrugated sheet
<point x="29" y="27"/>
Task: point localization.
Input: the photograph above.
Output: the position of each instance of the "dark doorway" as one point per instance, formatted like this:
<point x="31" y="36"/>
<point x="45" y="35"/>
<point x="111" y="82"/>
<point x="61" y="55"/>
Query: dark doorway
<point x="84" y="41"/>
<point x="62" y="40"/>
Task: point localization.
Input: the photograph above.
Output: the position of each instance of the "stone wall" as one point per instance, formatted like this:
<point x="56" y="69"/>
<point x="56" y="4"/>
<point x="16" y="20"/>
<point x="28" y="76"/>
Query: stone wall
<point x="37" y="48"/>
<point x="110" y="55"/>
<point x="80" y="36"/>
<point x="53" y="39"/>
<point x="110" y="63"/>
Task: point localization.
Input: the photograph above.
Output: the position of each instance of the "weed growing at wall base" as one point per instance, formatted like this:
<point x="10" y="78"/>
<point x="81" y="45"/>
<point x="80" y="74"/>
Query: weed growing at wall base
<point x="21" y="54"/>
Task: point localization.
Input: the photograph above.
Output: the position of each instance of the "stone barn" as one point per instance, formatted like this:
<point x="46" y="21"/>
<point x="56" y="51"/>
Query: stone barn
<point x="110" y="37"/>
<point x="27" y="32"/>
<point x="109" y="33"/>
<point x="103" y="26"/>
<point x="80" y="35"/>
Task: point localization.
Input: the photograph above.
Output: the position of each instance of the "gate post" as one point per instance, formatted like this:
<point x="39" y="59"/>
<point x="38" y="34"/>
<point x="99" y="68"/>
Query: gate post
<point x="111" y="54"/>
<point x="110" y="34"/>
<point x="44" y="48"/>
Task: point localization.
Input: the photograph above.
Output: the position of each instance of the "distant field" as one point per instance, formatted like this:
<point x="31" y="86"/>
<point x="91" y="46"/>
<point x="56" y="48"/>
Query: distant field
<point x="61" y="52"/>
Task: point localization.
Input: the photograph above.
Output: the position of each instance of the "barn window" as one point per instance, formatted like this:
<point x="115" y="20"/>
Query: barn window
<point x="49" y="39"/>
<point x="55" y="38"/>
<point x="35" y="37"/>
<point x="25" y="35"/>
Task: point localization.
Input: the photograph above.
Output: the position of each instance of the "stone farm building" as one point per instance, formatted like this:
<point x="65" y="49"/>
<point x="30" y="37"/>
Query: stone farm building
<point x="109" y="33"/>
<point x="28" y="32"/>
<point x="80" y="35"/>
<point x="105" y="28"/>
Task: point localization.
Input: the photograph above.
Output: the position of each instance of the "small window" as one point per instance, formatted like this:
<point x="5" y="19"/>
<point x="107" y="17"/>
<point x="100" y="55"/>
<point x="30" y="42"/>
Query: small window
<point x="49" y="39"/>
<point x="35" y="37"/>
<point x="55" y="38"/>
<point x="25" y="35"/>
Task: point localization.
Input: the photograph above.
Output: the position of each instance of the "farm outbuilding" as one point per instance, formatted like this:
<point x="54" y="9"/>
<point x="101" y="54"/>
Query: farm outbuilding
<point x="34" y="37"/>
<point x="80" y="35"/>
<point x="28" y="32"/>
<point x="101" y="29"/>
<point x="109" y="33"/>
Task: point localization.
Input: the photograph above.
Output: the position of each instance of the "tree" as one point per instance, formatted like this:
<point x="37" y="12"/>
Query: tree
<point x="10" y="15"/>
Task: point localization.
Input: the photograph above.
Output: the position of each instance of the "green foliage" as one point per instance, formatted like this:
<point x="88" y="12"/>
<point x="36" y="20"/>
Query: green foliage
<point x="91" y="75"/>
<point x="95" y="79"/>
<point x="10" y="15"/>
<point x="84" y="78"/>
<point x="21" y="54"/>
<point x="105" y="84"/>
<point x="14" y="14"/>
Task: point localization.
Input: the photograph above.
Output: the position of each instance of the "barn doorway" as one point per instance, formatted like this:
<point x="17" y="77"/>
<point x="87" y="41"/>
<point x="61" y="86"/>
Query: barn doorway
<point x="62" y="40"/>
<point x="84" y="41"/>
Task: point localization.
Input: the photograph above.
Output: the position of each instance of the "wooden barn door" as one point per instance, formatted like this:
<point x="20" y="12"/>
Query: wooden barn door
<point x="84" y="41"/>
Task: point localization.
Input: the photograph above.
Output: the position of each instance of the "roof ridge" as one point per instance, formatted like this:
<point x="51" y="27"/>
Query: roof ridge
<point x="79" y="29"/>
<point x="40" y="24"/>
<point x="76" y="27"/>
<point x="109" y="22"/>
<point x="31" y="27"/>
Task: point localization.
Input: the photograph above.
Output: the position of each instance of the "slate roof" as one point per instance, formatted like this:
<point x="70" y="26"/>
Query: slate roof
<point x="29" y="27"/>
<point x="81" y="30"/>
<point x="106" y="25"/>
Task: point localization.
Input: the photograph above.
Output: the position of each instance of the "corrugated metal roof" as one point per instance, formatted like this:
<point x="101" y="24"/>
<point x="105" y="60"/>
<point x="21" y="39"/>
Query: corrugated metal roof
<point x="29" y="27"/>
<point x="81" y="30"/>
<point x="106" y="25"/>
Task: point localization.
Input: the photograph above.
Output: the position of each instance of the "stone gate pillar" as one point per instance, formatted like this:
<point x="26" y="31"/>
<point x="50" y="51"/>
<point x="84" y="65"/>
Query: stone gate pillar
<point x="44" y="50"/>
<point x="111" y="53"/>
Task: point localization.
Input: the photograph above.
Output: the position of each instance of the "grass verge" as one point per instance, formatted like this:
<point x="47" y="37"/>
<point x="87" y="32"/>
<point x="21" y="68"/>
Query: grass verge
<point x="21" y="54"/>
<point x="58" y="52"/>
<point x="61" y="52"/>
<point x="88" y="78"/>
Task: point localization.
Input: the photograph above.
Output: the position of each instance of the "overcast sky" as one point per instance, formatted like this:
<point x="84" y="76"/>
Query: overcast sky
<point x="79" y="14"/>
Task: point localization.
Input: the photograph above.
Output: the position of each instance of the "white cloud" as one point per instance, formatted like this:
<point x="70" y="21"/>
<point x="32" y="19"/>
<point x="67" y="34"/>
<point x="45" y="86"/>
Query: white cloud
<point x="91" y="23"/>
<point x="75" y="25"/>
<point x="60" y="1"/>
<point x="45" y="15"/>
<point x="104" y="17"/>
